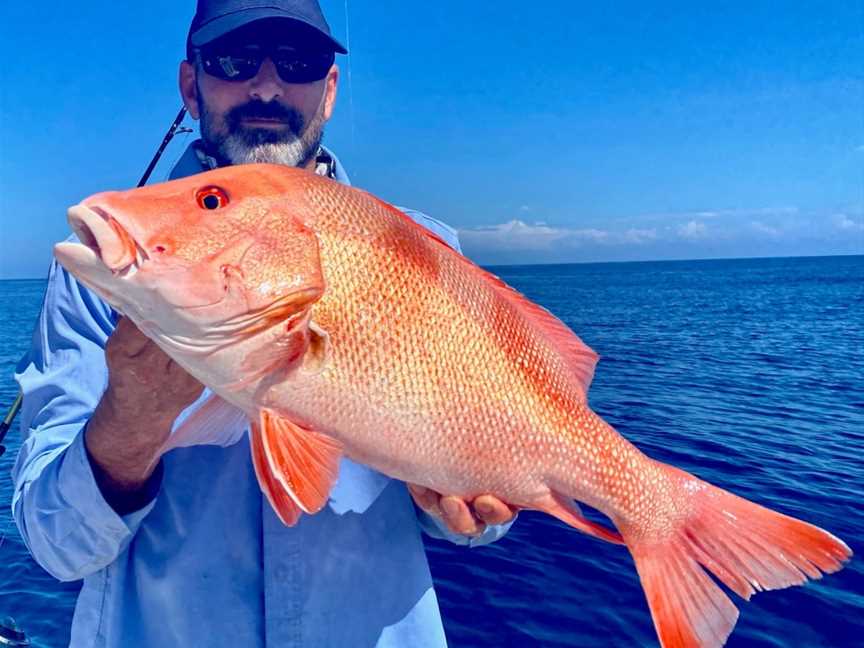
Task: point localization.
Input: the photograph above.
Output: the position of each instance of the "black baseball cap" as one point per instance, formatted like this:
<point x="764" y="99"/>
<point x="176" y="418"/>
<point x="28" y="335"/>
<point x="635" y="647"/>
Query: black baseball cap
<point x="215" y="18"/>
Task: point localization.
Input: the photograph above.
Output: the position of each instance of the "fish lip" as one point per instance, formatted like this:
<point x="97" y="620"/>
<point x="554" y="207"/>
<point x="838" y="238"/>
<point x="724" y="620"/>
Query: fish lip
<point x="97" y="230"/>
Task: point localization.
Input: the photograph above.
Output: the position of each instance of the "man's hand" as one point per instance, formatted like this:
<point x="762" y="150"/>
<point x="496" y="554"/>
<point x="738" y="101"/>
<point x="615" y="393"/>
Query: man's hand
<point x="146" y="392"/>
<point x="461" y="516"/>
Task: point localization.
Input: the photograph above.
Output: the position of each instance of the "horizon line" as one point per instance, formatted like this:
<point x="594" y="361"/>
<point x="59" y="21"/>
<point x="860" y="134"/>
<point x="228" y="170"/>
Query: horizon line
<point x="567" y="263"/>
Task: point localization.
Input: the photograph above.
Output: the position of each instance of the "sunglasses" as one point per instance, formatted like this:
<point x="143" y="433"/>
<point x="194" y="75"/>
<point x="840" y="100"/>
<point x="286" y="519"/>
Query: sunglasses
<point x="241" y="63"/>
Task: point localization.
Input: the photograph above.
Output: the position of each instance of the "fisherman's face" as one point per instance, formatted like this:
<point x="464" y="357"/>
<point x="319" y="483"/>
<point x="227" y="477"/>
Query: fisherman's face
<point x="263" y="118"/>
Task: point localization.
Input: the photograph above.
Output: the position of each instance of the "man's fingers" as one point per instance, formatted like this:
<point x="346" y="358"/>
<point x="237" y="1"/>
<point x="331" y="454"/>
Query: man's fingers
<point x="492" y="510"/>
<point x="458" y="516"/>
<point x="128" y="338"/>
<point x="426" y="499"/>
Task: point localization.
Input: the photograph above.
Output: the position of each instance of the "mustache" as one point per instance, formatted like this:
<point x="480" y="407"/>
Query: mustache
<point x="261" y="110"/>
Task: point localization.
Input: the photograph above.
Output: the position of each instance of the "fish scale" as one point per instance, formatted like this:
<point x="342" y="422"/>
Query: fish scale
<point x="347" y="329"/>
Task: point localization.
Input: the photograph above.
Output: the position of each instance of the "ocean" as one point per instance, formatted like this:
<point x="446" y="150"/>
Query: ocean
<point x="748" y="373"/>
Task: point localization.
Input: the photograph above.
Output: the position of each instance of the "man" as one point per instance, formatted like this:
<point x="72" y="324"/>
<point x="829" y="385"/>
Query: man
<point x="190" y="553"/>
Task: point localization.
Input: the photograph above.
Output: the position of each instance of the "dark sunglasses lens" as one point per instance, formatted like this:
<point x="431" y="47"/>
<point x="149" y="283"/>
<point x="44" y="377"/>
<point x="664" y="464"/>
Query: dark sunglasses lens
<point x="231" y="67"/>
<point x="295" y="68"/>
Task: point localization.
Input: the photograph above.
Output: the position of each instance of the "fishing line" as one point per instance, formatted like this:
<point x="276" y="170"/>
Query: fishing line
<point x="350" y="83"/>
<point x="185" y="131"/>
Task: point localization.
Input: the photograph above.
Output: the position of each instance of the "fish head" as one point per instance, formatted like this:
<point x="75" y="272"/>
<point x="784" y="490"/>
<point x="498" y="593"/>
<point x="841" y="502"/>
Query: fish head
<point x="201" y="260"/>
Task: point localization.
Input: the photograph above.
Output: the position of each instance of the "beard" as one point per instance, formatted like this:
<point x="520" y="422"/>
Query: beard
<point x="231" y="142"/>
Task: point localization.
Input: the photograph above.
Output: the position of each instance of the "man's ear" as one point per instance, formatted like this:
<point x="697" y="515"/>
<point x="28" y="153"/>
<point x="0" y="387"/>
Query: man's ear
<point x="330" y="90"/>
<point x="188" y="90"/>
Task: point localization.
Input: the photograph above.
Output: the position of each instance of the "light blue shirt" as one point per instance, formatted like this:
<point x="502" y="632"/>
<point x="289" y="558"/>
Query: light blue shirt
<point x="207" y="562"/>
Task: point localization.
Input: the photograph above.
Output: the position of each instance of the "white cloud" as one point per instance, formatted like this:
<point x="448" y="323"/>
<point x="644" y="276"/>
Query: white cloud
<point x="513" y="235"/>
<point x="742" y="213"/>
<point x="693" y="230"/>
<point x="518" y="235"/>
<point x="590" y="234"/>
<point x="762" y="228"/>
<point x="637" y="236"/>
<point x="767" y="231"/>
<point x="846" y="224"/>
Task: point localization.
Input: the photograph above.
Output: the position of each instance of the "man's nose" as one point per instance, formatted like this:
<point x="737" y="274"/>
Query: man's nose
<point x="266" y="85"/>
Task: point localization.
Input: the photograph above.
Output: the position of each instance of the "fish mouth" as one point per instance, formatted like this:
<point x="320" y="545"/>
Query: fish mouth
<point x="107" y="239"/>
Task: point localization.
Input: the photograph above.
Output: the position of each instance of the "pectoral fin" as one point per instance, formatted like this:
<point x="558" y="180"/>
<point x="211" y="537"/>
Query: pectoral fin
<point x="300" y="463"/>
<point x="214" y="422"/>
<point x="281" y="502"/>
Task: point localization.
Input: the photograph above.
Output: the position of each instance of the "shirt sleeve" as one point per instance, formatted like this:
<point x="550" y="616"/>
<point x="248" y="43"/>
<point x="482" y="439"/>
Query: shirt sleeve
<point x="69" y="528"/>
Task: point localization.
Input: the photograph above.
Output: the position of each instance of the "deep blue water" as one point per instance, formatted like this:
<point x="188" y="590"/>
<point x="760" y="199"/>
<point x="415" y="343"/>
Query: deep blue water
<point x="748" y="373"/>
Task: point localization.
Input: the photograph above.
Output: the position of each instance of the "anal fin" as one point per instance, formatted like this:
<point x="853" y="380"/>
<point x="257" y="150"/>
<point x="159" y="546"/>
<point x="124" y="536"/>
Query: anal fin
<point x="566" y="510"/>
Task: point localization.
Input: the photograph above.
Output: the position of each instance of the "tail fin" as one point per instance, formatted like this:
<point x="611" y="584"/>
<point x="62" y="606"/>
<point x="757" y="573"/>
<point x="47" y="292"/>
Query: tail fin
<point x="749" y="548"/>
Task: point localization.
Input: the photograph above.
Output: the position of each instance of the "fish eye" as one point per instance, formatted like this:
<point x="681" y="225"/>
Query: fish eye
<point x="211" y="198"/>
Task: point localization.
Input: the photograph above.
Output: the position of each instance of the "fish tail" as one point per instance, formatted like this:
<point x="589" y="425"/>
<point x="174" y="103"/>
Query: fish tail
<point x="748" y="547"/>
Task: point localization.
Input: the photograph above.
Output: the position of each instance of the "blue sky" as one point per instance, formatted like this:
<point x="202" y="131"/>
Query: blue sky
<point x="545" y="132"/>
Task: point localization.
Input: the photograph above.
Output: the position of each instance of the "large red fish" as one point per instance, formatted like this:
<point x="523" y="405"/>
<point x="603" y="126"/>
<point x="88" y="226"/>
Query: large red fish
<point x="338" y="326"/>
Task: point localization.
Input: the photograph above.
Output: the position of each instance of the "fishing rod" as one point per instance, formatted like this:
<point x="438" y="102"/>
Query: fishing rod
<point x="175" y="128"/>
<point x="172" y="131"/>
<point x="7" y="422"/>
